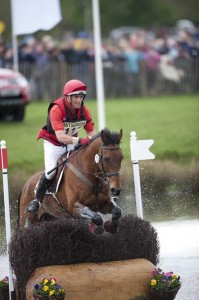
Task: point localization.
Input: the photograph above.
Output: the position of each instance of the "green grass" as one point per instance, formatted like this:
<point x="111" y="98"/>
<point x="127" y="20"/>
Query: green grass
<point x="172" y="122"/>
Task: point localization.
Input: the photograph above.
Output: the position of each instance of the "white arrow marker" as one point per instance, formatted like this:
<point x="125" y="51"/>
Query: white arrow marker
<point x="139" y="151"/>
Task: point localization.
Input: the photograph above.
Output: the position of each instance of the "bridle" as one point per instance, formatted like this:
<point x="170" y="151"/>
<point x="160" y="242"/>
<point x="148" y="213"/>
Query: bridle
<point x="101" y="161"/>
<point x="101" y="175"/>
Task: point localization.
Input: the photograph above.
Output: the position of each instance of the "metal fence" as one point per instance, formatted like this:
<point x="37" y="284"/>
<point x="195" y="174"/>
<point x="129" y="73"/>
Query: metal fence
<point x="180" y="78"/>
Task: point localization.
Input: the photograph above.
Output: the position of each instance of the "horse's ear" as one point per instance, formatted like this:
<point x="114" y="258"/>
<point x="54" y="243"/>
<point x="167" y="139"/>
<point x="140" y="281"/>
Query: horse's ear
<point x="103" y="136"/>
<point x="120" y="134"/>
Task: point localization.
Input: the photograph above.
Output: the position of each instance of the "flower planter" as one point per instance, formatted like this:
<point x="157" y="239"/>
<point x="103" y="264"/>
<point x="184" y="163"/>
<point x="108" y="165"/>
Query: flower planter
<point x="4" y="293"/>
<point x="155" y="294"/>
<point x="42" y="297"/>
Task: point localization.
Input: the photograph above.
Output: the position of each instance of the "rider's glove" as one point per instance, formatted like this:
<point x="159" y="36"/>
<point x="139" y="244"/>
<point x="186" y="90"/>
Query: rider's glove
<point x="83" y="141"/>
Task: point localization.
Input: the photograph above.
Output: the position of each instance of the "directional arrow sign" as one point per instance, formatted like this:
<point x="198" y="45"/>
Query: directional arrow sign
<point x="140" y="149"/>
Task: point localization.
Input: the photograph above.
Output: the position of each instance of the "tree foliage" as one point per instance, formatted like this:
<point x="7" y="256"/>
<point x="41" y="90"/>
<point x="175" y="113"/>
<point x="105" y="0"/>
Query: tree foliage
<point x="77" y="14"/>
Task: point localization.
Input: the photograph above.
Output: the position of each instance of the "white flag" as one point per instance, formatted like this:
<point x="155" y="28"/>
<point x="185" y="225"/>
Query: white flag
<point x="28" y="16"/>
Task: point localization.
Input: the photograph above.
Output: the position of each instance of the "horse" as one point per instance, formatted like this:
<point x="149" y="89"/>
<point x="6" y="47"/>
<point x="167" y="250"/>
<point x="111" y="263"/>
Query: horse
<point x="89" y="187"/>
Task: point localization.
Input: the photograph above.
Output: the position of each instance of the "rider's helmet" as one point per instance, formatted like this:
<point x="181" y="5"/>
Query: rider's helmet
<point x="75" y="87"/>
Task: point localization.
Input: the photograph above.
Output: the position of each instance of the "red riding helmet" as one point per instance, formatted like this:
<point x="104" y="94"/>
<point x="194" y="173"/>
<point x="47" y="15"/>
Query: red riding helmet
<point x="75" y="86"/>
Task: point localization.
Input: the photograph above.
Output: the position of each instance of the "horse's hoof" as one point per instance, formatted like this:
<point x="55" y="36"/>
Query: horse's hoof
<point x="92" y="227"/>
<point x="97" y="220"/>
<point x="107" y="226"/>
<point x="96" y="229"/>
<point x="111" y="226"/>
<point x="116" y="213"/>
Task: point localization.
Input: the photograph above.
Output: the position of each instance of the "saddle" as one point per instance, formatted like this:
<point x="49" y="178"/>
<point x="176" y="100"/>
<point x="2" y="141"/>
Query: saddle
<point x="55" y="182"/>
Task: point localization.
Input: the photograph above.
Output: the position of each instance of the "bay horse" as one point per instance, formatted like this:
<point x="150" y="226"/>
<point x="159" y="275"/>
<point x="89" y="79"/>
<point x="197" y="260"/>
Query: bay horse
<point x="88" y="187"/>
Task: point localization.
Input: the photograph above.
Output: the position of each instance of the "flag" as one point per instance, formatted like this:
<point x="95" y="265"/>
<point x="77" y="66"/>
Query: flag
<point x="28" y="16"/>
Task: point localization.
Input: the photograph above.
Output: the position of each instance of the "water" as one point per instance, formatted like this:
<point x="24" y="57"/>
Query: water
<point x="179" y="252"/>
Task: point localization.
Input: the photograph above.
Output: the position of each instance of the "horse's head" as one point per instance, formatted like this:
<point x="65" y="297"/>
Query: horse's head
<point x="110" y="158"/>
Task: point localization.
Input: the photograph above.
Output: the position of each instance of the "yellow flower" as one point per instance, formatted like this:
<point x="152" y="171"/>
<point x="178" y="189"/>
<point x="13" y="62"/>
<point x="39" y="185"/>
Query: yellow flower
<point x="175" y="276"/>
<point x="45" y="288"/>
<point x="45" y="281"/>
<point x="153" y="282"/>
<point x="52" y="292"/>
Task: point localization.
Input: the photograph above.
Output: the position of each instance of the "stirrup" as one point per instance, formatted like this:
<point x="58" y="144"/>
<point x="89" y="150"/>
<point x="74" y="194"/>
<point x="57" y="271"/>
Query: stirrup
<point x="34" y="206"/>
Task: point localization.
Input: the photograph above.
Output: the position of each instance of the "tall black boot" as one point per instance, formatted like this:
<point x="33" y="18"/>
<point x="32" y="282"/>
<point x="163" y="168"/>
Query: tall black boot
<point x="43" y="185"/>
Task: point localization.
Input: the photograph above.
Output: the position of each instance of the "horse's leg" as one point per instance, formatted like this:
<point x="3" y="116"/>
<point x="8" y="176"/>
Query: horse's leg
<point x="95" y="218"/>
<point x="27" y="194"/>
<point x="116" y="211"/>
<point x="112" y="225"/>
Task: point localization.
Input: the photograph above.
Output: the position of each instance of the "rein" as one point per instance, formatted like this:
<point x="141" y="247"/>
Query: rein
<point x="102" y="175"/>
<point x="65" y="160"/>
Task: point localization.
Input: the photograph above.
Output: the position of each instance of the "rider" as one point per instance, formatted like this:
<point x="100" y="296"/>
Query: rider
<point x="66" y="116"/>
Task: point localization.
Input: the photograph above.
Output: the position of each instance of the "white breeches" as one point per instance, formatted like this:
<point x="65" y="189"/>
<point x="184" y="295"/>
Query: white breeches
<point x="51" y="155"/>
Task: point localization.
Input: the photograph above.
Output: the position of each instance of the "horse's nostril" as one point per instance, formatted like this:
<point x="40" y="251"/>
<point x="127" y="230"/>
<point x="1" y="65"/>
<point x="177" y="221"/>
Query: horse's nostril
<point x="115" y="192"/>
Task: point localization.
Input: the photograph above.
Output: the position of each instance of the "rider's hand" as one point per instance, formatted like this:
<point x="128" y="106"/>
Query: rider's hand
<point x="84" y="141"/>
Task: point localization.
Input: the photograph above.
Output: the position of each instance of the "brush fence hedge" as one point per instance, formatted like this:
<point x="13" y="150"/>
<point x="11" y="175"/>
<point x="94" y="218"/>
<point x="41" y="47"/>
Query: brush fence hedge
<point x="84" y="262"/>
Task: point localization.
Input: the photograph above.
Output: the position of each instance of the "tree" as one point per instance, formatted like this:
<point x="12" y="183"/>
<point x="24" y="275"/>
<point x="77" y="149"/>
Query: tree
<point x="77" y="14"/>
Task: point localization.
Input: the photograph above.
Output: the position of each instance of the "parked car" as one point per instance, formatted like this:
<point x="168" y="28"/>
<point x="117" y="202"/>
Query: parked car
<point x="14" y="95"/>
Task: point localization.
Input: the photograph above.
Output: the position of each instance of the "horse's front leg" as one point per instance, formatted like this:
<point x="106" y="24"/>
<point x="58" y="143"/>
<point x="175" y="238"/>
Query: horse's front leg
<point x="112" y="225"/>
<point x="116" y="211"/>
<point x="83" y="211"/>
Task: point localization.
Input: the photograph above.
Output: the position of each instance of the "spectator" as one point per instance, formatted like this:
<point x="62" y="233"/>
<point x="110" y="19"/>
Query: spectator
<point x="132" y="58"/>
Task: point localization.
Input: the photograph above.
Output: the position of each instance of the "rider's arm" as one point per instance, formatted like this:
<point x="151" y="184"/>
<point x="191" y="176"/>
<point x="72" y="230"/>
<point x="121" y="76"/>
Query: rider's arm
<point x="58" y="126"/>
<point x="64" y="138"/>
<point x="89" y="127"/>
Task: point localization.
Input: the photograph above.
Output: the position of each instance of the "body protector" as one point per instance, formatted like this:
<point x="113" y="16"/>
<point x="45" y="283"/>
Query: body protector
<point x="72" y="122"/>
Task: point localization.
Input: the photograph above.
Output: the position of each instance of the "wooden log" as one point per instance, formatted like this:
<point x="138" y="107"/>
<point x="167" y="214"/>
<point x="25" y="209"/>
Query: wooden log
<point x="122" y="280"/>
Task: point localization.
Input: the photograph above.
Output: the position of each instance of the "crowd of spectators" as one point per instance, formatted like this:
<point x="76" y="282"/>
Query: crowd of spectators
<point x="159" y="48"/>
<point x="183" y="42"/>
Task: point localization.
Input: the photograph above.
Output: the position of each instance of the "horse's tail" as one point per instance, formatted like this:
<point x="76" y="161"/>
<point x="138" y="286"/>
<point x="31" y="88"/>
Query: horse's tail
<point x="18" y="210"/>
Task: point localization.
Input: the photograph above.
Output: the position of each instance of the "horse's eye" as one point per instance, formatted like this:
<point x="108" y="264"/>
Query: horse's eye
<point x="106" y="159"/>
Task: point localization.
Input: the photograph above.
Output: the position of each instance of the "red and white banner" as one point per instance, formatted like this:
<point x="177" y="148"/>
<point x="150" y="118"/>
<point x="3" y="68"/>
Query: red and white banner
<point x="4" y="166"/>
<point x="3" y="158"/>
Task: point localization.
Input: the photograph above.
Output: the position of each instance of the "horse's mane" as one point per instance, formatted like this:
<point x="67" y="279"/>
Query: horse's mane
<point x="111" y="137"/>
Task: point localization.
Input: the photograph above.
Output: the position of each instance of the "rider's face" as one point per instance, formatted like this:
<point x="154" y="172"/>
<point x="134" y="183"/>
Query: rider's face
<point x="76" y="101"/>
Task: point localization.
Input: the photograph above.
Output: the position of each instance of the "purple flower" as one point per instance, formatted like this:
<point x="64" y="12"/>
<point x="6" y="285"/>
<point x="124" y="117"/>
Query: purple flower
<point x="36" y="286"/>
<point x="154" y="272"/>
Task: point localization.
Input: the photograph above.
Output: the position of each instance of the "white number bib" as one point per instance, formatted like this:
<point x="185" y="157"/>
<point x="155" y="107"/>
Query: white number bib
<point x="72" y="127"/>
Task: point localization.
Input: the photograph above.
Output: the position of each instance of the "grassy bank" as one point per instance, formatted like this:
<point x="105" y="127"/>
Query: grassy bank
<point x="171" y="121"/>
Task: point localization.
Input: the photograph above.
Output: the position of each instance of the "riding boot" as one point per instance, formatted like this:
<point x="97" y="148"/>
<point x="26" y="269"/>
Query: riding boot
<point x="43" y="185"/>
